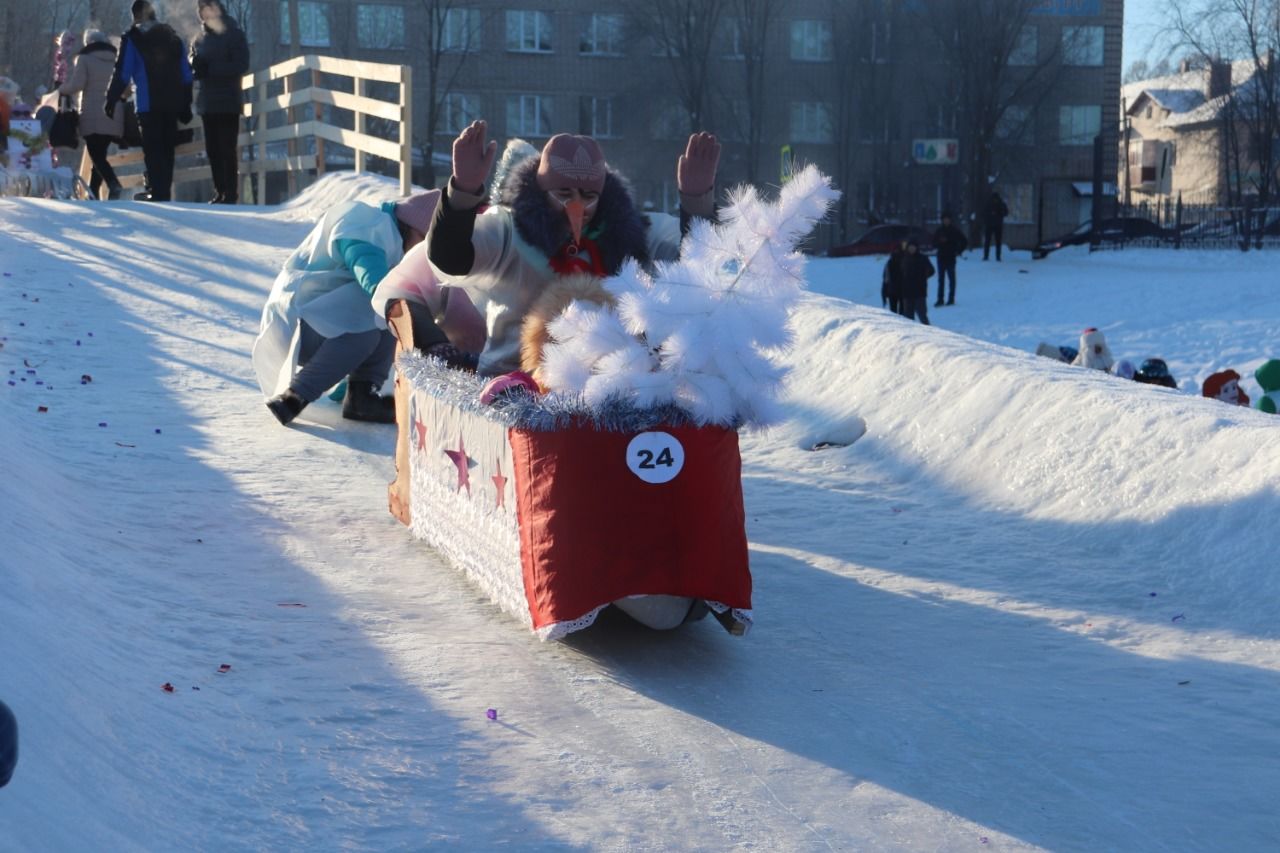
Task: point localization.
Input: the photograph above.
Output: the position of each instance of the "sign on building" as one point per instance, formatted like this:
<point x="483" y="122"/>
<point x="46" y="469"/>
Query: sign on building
<point x="936" y="152"/>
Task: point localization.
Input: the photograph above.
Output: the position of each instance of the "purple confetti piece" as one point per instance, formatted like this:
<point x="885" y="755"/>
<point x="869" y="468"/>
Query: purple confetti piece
<point x="102" y="423"/>
<point x="39" y="381"/>
<point x="1177" y="616"/>
<point x="22" y="324"/>
<point x="8" y="274"/>
<point x="492" y="713"/>
<point x="157" y="430"/>
<point x="91" y="334"/>
<point x="1153" y="595"/>
<point x="14" y="384"/>
<point x="77" y="342"/>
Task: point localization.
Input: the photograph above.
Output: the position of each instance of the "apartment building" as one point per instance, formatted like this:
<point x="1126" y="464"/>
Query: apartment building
<point x="858" y="87"/>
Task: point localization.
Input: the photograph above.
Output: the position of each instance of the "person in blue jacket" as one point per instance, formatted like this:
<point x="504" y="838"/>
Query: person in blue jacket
<point x="154" y="59"/>
<point x="319" y="324"/>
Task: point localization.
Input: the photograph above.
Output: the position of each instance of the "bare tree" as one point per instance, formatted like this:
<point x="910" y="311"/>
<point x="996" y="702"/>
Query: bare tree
<point x="684" y="31"/>
<point x="1250" y="115"/>
<point x="974" y="41"/>
<point x="749" y="23"/>
<point x="452" y="36"/>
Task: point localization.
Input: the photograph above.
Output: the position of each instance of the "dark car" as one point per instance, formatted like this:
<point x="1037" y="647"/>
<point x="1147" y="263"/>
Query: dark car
<point x="883" y="239"/>
<point x="1117" y="229"/>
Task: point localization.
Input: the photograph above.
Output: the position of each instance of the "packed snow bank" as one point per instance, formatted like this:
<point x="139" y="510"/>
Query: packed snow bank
<point x="1130" y="466"/>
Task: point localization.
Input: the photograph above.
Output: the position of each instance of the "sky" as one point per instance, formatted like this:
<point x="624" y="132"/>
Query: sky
<point x="1030" y="607"/>
<point x="1142" y="22"/>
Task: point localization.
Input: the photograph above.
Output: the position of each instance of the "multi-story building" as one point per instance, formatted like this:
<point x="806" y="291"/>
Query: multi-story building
<point x="851" y="85"/>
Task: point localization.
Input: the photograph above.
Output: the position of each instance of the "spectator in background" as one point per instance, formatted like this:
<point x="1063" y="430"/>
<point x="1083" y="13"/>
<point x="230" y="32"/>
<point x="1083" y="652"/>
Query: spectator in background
<point x="219" y="58"/>
<point x="993" y="224"/>
<point x="950" y="243"/>
<point x="153" y="58"/>
<point x="916" y="270"/>
<point x="90" y="75"/>
<point x="891" y="279"/>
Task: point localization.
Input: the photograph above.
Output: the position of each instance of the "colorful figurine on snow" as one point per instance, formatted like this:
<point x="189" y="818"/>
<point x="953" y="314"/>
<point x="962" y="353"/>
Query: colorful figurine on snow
<point x="1225" y="386"/>
<point x="1268" y="376"/>
<point x="1094" y="351"/>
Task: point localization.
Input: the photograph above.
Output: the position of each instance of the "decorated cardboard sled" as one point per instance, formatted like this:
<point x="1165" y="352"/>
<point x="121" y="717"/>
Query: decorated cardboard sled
<point x="557" y="512"/>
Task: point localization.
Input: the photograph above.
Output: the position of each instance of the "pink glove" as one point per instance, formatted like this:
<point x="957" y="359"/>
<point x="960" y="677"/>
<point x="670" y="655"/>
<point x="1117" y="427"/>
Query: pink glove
<point x="472" y="158"/>
<point x="513" y="382"/>
<point x="696" y="171"/>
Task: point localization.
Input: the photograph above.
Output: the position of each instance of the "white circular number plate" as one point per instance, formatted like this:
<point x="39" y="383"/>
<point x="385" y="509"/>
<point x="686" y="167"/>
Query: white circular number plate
<point x="655" y="457"/>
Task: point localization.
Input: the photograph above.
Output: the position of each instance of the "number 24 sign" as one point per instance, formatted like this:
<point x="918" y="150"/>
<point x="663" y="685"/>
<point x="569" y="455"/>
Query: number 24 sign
<point x="655" y="457"/>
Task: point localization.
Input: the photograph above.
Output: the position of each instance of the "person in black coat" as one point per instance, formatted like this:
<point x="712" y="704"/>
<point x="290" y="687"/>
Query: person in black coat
<point x="891" y="279"/>
<point x="219" y="59"/>
<point x="949" y="242"/>
<point x="993" y="224"/>
<point x="915" y="270"/>
<point x="154" y="59"/>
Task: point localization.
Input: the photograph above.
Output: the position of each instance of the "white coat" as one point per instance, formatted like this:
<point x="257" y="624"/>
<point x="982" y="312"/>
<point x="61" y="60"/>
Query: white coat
<point x="316" y="286"/>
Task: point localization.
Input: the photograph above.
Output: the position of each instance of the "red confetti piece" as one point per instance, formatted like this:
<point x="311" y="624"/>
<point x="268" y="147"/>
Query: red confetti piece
<point x="167" y="687"/>
<point x="226" y="667"/>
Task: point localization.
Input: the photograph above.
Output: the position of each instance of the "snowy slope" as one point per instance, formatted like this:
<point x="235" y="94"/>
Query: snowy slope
<point x="1029" y="608"/>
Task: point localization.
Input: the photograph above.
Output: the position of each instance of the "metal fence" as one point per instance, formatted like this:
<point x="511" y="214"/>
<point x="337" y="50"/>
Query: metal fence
<point x="1204" y="226"/>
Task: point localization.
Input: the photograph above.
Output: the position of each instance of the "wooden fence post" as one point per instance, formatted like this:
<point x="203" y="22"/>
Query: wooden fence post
<point x="406" y="129"/>
<point x="361" y="124"/>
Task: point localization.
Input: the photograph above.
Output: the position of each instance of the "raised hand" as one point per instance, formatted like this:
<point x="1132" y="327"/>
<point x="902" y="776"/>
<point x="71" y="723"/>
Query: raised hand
<point x="473" y="157"/>
<point x="696" y="170"/>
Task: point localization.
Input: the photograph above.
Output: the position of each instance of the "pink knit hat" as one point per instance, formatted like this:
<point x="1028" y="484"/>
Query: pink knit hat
<point x="416" y="210"/>
<point x="571" y="161"/>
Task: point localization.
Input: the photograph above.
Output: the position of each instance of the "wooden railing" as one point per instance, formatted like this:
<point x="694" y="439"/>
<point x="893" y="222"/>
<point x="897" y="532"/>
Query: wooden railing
<point x="297" y="115"/>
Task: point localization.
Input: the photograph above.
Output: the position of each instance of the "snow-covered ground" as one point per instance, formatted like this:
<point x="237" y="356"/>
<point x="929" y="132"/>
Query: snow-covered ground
<point x="1033" y="607"/>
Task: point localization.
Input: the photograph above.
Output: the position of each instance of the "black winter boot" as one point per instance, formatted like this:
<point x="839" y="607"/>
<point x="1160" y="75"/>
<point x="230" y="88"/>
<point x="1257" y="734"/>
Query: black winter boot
<point x="286" y="406"/>
<point x="364" y="403"/>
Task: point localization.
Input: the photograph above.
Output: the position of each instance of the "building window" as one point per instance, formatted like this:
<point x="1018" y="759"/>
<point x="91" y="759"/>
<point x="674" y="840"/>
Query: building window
<point x="811" y="122"/>
<point x="595" y="116"/>
<point x="670" y="121"/>
<point x="880" y="34"/>
<point x="313" y="24"/>
<point x="528" y="32"/>
<point x="1082" y="45"/>
<point x="380" y="27"/>
<point x="1014" y="126"/>
<point x="457" y="111"/>
<point x="528" y="115"/>
<point x="1026" y="50"/>
<point x="1079" y="125"/>
<point x="811" y="41"/>
<point x="601" y="36"/>
<point x="460" y="30"/>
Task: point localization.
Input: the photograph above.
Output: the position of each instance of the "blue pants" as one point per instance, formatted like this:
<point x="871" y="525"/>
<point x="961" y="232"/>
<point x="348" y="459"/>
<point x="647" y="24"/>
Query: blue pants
<point x="363" y="356"/>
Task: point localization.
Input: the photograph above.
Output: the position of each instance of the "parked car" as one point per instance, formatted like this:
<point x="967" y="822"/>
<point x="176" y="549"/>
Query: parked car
<point x="1115" y="229"/>
<point x="883" y="239"/>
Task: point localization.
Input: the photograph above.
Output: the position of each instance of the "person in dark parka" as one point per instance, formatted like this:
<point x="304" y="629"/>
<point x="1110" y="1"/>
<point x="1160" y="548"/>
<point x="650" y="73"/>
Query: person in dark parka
<point x="8" y="744"/>
<point x="915" y="271"/>
<point x="949" y="241"/>
<point x="154" y="59"/>
<point x="891" y="279"/>
<point x="993" y="224"/>
<point x="219" y="59"/>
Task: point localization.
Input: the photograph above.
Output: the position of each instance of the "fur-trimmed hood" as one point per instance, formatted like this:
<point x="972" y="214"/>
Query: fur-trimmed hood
<point x="618" y="228"/>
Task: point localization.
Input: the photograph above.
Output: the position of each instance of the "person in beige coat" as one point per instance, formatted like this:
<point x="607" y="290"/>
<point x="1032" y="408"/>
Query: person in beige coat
<point x="90" y="76"/>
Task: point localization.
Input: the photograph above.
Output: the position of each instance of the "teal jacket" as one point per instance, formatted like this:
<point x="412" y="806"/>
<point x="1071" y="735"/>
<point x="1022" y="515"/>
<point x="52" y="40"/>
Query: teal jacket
<point x="366" y="261"/>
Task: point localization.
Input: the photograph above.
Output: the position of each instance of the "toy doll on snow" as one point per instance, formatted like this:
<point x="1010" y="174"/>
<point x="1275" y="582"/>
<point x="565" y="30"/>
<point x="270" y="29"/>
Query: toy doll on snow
<point x="1094" y="351"/>
<point x="1268" y="376"/>
<point x="1225" y="386"/>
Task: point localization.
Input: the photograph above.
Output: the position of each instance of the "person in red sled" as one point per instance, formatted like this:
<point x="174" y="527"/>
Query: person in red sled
<point x="563" y="212"/>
